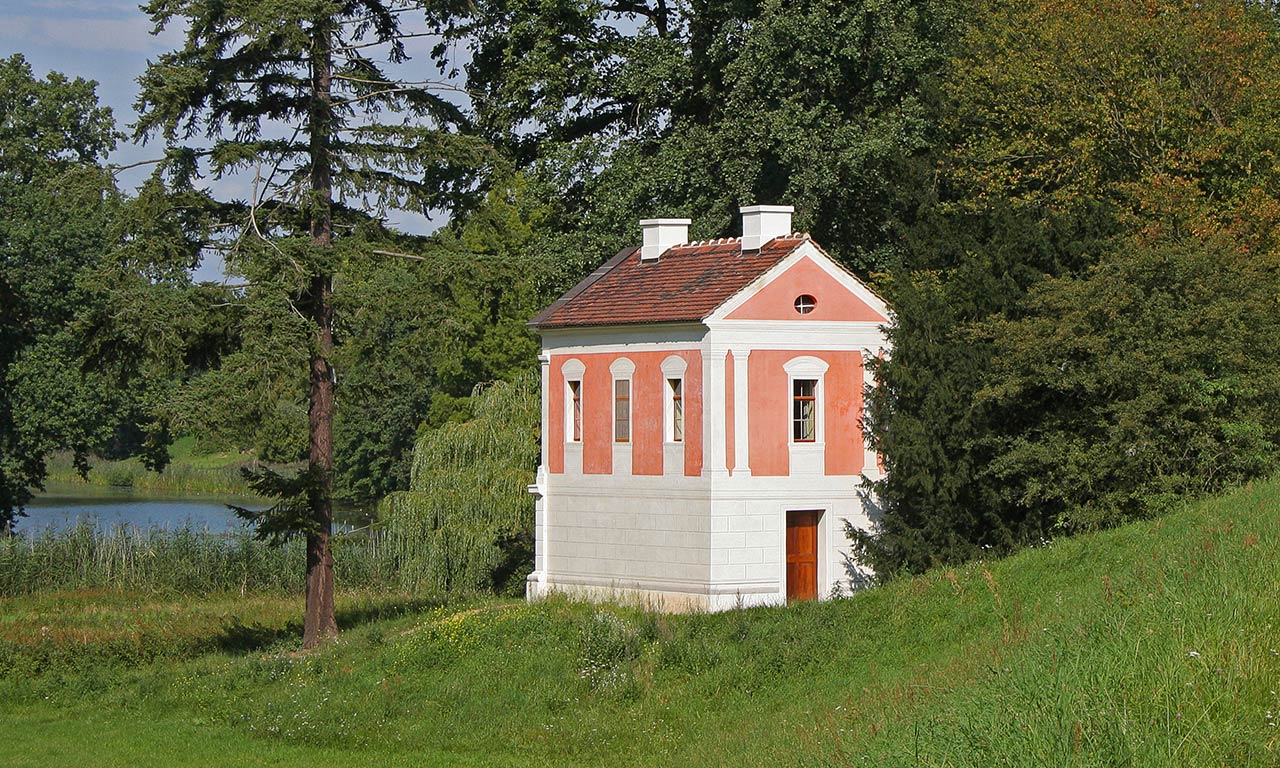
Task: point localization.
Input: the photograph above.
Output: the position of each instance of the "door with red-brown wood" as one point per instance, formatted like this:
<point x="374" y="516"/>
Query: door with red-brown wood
<point x="802" y="555"/>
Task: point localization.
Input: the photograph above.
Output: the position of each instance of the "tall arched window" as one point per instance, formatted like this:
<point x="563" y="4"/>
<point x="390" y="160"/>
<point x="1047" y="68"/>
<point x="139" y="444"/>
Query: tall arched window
<point x="573" y="371"/>
<point x="673" y="369"/>
<point x="622" y="370"/>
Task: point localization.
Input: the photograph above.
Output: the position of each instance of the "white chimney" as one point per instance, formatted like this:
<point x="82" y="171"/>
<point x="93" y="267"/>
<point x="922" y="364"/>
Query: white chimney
<point x="762" y="223"/>
<point x="661" y="234"/>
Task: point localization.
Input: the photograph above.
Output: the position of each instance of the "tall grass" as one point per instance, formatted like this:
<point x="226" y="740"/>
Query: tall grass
<point x="187" y="561"/>
<point x="1149" y="645"/>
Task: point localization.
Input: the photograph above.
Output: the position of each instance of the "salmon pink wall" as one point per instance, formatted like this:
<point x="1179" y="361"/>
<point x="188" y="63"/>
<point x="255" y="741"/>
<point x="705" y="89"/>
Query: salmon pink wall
<point x="692" y="412"/>
<point x="648" y="393"/>
<point x="555" y="416"/>
<point x="769" y="420"/>
<point x="842" y="409"/>
<point x="768" y="412"/>
<point x="776" y="301"/>
<point x="597" y="415"/>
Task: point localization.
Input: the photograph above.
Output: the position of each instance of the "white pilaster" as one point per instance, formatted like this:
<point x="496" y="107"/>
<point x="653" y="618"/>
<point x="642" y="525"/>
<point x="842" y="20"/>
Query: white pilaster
<point x="741" y="466"/>
<point x="713" y="415"/>
<point x="536" y="583"/>
<point x="544" y="361"/>
<point x="870" y="465"/>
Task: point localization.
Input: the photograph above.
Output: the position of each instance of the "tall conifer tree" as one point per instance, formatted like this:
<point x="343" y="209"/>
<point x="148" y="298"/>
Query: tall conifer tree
<point x="310" y="96"/>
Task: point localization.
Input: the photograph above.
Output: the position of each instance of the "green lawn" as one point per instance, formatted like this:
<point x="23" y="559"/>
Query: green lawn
<point x="1152" y="645"/>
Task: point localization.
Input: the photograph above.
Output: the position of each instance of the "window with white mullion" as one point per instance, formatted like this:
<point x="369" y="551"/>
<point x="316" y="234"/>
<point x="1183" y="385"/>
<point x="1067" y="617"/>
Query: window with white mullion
<point x="574" y="411"/>
<point x="675" y="410"/>
<point x="673" y="416"/>
<point x="622" y="410"/>
<point x="573" y="372"/>
<point x="804" y="410"/>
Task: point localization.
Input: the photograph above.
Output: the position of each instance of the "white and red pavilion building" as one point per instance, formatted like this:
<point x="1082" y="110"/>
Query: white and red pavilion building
<point x="702" y="441"/>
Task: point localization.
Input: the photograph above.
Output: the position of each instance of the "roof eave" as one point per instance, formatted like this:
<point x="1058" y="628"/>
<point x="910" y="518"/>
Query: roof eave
<point x="540" y="320"/>
<point x="609" y="326"/>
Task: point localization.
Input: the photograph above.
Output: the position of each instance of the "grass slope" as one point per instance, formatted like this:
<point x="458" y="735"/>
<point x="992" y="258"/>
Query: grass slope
<point x="1151" y="645"/>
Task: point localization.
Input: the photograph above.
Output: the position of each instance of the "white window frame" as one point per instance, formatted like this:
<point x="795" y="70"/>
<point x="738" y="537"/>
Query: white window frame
<point x="807" y="368"/>
<point x="573" y="372"/>
<point x="816" y="400"/>
<point x="673" y="369"/>
<point x="623" y="369"/>
<point x="669" y="410"/>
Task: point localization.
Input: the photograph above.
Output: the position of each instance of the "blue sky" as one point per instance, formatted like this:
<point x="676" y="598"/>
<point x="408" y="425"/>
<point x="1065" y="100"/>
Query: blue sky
<point x="107" y="41"/>
<point x="110" y="41"/>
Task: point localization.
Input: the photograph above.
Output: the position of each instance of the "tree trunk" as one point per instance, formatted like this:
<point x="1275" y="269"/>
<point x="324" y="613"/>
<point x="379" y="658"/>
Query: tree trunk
<point x="320" y="623"/>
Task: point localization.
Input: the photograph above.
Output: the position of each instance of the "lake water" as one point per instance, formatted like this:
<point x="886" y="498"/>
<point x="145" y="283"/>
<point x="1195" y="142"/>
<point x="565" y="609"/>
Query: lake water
<point x="64" y="506"/>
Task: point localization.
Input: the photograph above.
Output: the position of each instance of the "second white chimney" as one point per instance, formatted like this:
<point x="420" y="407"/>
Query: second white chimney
<point x="762" y="223"/>
<point x="661" y="234"/>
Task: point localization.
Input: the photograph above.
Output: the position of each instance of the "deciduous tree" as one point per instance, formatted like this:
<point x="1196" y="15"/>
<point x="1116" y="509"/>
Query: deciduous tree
<point x="95" y="304"/>
<point x="1106" y="184"/>
<point x="638" y="109"/>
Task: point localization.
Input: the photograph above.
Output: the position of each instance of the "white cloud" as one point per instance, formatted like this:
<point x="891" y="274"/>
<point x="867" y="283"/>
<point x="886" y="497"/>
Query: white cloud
<point x="99" y="7"/>
<point x="131" y="33"/>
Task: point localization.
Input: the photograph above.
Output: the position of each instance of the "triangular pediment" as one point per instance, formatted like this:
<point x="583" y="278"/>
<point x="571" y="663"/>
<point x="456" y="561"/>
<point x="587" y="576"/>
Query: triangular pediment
<point x="837" y="296"/>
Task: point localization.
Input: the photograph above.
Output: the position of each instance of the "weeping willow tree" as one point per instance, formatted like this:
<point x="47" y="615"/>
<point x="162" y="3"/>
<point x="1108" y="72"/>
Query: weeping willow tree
<point x="466" y="522"/>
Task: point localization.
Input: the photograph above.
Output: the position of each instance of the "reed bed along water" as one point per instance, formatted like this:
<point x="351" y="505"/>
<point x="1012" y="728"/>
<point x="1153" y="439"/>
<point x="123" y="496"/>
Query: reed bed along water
<point x="180" y="475"/>
<point x="185" y="560"/>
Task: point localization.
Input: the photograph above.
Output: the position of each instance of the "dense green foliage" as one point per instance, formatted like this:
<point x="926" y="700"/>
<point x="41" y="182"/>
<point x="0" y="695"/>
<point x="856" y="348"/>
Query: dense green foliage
<point x="1152" y="378"/>
<point x="466" y="523"/>
<point x="1085" y="321"/>
<point x="1149" y="645"/>
<point x="416" y="337"/>
<point x="45" y="242"/>
<point x="97" y="319"/>
<point x="639" y="109"/>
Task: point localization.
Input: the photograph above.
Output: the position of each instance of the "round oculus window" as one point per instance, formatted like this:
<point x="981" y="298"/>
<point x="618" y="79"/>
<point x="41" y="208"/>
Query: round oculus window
<point x="805" y="304"/>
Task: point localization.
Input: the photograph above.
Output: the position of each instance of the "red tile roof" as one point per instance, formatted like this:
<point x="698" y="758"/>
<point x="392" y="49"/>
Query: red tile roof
<point x="685" y="284"/>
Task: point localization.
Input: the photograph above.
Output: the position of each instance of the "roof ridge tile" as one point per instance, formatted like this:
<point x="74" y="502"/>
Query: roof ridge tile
<point x="684" y="289"/>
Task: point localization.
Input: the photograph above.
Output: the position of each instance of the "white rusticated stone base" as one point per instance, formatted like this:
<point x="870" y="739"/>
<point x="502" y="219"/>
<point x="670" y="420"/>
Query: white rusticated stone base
<point x="688" y="544"/>
<point x="653" y="597"/>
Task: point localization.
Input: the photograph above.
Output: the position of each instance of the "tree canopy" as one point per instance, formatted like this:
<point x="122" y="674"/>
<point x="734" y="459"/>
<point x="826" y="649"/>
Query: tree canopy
<point x="630" y="110"/>
<point x="97" y="318"/>
<point x="1070" y="313"/>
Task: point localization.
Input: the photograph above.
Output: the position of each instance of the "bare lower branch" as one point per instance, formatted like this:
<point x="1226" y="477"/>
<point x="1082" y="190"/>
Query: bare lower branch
<point x="388" y="91"/>
<point x="434" y="83"/>
<point x="399" y="255"/>
<point x="376" y="43"/>
<point x="118" y="168"/>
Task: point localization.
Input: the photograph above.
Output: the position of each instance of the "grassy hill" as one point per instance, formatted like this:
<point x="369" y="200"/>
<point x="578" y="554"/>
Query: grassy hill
<point x="1157" y="644"/>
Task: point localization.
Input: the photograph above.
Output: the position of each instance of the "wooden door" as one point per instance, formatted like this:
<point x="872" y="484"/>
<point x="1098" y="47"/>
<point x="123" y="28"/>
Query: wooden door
<point x="802" y="555"/>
